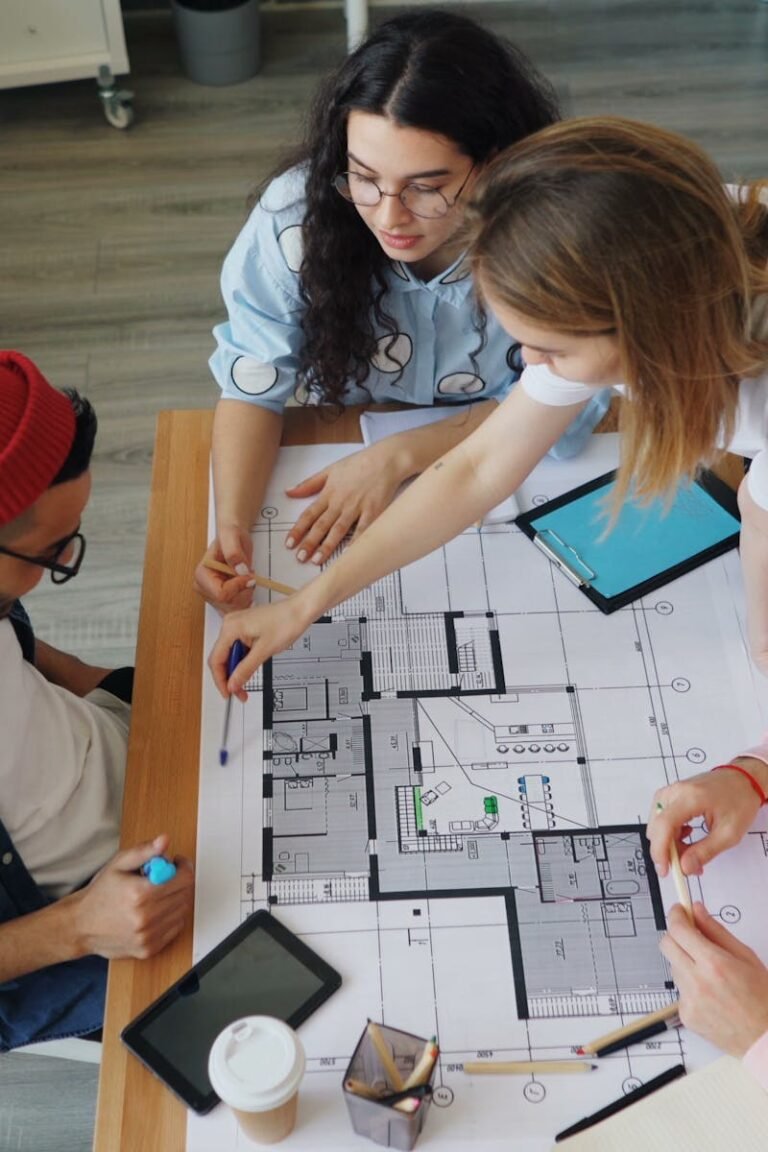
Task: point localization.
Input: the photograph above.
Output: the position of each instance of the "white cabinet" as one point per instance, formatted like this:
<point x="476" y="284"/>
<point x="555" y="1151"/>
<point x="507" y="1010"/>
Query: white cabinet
<point x="45" y="41"/>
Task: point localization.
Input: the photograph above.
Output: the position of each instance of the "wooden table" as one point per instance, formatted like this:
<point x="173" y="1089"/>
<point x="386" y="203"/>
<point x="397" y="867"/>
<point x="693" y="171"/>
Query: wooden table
<point x="135" y="1112"/>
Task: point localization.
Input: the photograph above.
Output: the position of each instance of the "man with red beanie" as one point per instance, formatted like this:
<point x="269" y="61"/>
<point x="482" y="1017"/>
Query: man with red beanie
<point x="68" y="900"/>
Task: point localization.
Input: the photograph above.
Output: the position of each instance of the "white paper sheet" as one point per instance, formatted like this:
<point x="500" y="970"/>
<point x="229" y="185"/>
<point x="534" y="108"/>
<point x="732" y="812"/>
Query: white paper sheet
<point x="718" y="1107"/>
<point x="459" y="766"/>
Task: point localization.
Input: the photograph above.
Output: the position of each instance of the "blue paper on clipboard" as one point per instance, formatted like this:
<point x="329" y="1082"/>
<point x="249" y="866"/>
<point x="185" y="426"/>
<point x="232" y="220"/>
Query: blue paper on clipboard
<point x="648" y="545"/>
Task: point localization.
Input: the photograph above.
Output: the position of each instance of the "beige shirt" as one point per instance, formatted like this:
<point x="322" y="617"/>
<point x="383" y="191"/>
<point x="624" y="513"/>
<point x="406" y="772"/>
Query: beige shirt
<point x="62" y="769"/>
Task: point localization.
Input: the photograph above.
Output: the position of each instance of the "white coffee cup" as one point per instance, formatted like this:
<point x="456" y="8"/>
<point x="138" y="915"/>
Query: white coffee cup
<point x="255" y="1066"/>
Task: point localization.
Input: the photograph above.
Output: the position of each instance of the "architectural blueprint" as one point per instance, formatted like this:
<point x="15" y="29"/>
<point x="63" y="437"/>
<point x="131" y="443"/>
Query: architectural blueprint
<point x="443" y="788"/>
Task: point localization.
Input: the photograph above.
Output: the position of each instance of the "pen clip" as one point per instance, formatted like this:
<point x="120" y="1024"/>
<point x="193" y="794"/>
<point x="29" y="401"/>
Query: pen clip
<point x="577" y="570"/>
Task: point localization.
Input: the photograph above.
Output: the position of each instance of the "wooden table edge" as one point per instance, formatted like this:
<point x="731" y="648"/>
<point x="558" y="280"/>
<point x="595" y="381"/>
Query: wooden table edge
<point x="166" y="727"/>
<point x="165" y="730"/>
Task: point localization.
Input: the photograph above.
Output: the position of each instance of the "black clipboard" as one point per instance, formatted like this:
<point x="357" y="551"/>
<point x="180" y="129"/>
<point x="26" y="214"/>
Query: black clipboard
<point x="648" y="545"/>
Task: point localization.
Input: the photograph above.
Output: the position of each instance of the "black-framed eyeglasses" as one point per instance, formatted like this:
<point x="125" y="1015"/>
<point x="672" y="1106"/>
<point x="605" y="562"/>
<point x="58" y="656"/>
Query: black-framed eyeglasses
<point x="427" y="203"/>
<point x="60" y="573"/>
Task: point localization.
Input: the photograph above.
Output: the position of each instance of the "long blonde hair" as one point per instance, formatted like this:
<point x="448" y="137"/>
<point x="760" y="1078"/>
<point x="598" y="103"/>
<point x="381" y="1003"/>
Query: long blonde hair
<point x="605" y="224"/>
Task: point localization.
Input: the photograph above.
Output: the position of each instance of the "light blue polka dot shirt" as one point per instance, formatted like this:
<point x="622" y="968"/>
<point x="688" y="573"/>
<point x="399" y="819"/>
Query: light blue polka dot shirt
<point x="435" y="356"/>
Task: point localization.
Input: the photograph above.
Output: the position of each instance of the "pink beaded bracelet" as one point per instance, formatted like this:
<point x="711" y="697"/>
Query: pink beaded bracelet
<point x="749" y="776"/>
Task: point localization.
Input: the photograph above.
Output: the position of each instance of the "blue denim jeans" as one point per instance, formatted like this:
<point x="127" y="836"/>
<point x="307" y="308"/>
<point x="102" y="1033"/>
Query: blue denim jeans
<point x="61" y="1000"/>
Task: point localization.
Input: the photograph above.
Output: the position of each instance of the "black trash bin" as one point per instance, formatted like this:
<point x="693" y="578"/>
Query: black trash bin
<point x="219" y="40"/>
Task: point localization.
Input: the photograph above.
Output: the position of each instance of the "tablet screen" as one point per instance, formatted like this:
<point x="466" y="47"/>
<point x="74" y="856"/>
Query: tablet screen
<point x="261" y="969"/>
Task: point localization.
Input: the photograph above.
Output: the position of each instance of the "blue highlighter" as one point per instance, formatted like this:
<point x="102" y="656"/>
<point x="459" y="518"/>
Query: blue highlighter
<point x="158" y="870"/>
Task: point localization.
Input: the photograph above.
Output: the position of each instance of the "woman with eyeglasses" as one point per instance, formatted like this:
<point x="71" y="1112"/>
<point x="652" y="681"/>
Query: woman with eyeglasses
<point x="348" y="283"/>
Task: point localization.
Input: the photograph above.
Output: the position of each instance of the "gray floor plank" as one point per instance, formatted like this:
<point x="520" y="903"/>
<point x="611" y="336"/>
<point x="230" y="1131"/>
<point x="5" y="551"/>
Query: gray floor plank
<point x="46" y="1105"/>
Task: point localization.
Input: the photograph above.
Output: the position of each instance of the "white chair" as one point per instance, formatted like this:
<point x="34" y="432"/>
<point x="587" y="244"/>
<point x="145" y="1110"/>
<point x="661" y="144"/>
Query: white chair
<point x="86" y="1051"/>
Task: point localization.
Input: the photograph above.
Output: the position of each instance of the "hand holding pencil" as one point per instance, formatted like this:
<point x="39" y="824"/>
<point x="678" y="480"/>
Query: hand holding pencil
<point x="724" y="798"/>
<point x="254" y="580"/>
<point x="230" y="589"/>
<point x="723" y="985"/>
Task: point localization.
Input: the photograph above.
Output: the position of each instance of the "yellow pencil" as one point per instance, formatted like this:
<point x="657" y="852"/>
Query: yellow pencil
<point x="680" y="882"/>
<point x="387" y="1060"/>
<point x="409" y="1105"/>
<point x="525" y="1067"/>
<point x="637" y="1025"/>
<point x="260" y="581"/>
<point x="358" y="1088"/>
<point x="423" y="1066"/>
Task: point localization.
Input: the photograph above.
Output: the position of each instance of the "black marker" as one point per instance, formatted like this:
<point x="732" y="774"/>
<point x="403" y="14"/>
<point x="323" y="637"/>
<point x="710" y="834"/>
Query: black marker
<point x="632" y="1097"/>
<point x="638" y="1037"/>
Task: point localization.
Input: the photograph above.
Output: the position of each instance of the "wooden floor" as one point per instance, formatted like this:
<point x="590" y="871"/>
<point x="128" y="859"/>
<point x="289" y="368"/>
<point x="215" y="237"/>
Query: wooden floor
<point x="112" y="241"/>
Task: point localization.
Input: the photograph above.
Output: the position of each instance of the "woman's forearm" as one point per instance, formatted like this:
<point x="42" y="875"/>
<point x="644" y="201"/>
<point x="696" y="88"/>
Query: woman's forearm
<point x="417" y="448"/>
<point x="246" y="439"/>
<point x="451" y="494"/>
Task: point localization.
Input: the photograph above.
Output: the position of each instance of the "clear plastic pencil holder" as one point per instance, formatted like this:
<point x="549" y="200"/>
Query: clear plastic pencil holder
<point x="381" y="1122"/>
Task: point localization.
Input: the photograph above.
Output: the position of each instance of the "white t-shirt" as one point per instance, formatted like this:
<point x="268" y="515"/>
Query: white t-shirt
<point x="750" y="437"/>
<point x="62" y="769"/>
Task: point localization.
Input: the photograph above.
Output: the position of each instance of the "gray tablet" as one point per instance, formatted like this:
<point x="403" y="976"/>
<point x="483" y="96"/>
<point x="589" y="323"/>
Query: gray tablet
<point x="260" y="969"/>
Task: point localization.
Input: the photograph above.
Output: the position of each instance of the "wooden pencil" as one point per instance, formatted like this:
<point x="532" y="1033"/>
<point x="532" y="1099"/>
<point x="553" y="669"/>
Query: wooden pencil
<point x="409" y="1105"/>
<point x="680" y="882"/>
<point x="260" y="581"/>
<point x="637" y="1025"/>
<point x="423" y="1068"/>
<point x="359" y="1088"/>
<point x="523" y="1067"/>
<point x="387" y="1060"/>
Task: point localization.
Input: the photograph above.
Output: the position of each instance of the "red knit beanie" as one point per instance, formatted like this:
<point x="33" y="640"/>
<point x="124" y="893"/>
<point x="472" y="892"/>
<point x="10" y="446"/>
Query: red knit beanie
<point x="37" y="429"/>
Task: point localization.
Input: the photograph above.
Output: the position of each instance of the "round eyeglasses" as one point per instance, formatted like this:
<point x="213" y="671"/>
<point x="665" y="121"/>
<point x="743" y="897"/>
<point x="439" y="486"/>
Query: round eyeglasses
<point x="427" y="203"/>
<point x="60" y="573"/>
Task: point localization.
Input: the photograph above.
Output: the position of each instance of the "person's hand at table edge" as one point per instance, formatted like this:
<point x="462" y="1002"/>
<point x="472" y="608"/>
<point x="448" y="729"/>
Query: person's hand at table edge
<point x="119" y="914"/>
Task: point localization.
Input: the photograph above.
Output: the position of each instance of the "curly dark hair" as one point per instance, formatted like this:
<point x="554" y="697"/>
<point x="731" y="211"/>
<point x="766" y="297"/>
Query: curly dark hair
<point x="434" y="70"/>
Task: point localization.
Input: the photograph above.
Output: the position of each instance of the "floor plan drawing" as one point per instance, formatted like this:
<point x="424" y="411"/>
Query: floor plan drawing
<point x="444" y="786"/>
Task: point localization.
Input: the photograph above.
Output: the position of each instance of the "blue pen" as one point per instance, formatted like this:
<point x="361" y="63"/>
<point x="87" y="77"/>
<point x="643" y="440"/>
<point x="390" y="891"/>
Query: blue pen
<point x="236" y="654"/>
<point x="159" y="870"/>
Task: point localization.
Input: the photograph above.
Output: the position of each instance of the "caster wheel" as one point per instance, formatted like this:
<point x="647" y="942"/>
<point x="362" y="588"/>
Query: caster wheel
<point x="119" y="112"/>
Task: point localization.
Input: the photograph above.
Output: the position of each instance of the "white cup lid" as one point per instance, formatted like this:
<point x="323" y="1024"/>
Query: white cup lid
<point x="256" y="1064"/>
